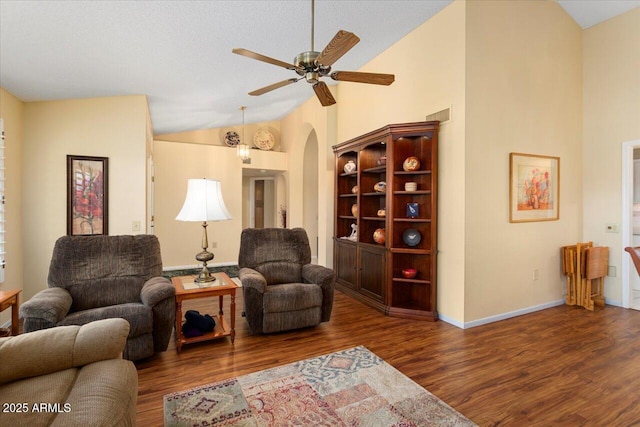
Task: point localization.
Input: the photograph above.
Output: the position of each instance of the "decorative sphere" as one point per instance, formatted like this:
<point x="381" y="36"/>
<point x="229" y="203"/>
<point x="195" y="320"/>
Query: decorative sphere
<point x="379" y="236"/>
<point x="411" y="164"/>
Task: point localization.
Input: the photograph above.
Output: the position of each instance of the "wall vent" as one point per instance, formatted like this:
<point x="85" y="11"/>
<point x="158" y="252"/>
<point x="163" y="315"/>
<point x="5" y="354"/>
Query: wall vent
<point x="441" y="116"/>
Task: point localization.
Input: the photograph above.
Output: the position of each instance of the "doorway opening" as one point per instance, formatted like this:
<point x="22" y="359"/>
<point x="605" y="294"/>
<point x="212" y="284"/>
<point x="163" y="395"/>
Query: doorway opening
<point x="262" y="195"/>
<point x="630" y="221"/>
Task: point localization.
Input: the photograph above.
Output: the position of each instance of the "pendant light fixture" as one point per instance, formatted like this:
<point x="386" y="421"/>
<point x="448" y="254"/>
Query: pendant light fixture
<point x="243" y="149"/>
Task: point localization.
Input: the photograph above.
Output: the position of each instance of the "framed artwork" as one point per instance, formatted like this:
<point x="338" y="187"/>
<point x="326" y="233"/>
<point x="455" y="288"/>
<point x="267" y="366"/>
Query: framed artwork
<point x="87" y="195"/>
<point x="534" y="188"/>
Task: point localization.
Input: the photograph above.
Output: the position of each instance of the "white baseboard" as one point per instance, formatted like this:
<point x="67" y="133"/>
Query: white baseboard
<point x="498" y="317"/>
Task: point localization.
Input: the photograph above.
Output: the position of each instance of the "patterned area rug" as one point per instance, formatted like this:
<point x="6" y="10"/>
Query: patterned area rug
<point x="352" y="387"/>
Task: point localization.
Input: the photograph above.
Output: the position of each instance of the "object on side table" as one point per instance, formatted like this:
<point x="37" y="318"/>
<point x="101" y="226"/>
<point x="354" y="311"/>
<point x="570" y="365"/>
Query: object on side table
<point x="282" y="290"/>
<point x="204" y="203"/>
<point x="94" y="277"/>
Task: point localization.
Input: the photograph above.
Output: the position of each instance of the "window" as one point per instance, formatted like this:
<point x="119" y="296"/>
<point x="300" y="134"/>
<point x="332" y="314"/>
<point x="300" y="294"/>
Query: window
<point x="2" y="210"/>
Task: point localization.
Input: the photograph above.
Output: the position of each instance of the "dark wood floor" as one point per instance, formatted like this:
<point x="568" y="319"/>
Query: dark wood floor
<point x="563" y="366"/>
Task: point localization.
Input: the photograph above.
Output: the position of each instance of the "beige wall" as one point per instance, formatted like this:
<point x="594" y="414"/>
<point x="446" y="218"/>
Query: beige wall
<point x="524" y="68"/>
<point x="296" y="129"/>
<point x="113" y="127"/>
<point x="12" y="113"/>
<point x="175" y="163"/>
<point x="429" y="65"/>
<point x="611" y="116"/>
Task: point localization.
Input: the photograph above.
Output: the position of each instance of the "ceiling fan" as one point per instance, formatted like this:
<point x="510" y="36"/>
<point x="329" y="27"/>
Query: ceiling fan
<point x="312" y="65"/>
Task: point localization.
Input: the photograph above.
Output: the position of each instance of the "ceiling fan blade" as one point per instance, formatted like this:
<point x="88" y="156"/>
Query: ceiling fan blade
<point x="267" y="59"/>
<point x="273" y="86"/>
<point x="341" y="43"/>
<point x="324" y="94"/>
<point x="371" y="78"/>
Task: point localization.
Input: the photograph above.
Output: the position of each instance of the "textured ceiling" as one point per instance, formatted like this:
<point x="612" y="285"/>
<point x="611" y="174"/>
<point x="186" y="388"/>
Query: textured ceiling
<point x="178" y="53"/>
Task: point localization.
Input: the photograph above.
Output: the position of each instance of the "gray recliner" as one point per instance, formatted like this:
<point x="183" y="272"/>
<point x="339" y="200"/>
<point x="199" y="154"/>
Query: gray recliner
<point x="98" y="277"/>
<point x="282" y="290"/>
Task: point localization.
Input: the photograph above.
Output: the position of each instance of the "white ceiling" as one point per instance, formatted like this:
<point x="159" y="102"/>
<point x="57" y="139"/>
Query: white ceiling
<point x="178" y="53"/>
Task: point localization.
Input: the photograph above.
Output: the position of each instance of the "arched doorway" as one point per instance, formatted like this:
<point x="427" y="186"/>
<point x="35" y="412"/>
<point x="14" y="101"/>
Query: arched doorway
<point x="310" y="192"/>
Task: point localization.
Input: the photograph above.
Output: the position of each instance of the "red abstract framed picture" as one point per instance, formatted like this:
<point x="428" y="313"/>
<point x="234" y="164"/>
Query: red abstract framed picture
<point x="535" y="188"/>
<point x="87" y="195"/>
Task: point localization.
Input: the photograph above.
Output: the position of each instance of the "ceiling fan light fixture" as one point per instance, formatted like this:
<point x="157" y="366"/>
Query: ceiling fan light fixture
<point x="312" y="65"/>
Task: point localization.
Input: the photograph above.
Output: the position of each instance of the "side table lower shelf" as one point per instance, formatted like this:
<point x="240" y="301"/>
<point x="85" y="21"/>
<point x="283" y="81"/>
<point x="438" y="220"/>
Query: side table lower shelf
<point x="221" y="330"/>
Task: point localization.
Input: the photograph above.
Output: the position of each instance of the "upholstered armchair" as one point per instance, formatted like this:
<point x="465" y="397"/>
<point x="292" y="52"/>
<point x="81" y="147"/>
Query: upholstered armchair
<point x="282" y="290"/>
<point x="100" y="277"/>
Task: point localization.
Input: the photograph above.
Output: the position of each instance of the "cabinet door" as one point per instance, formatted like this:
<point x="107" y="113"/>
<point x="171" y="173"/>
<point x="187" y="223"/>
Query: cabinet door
<point x="345" y="264"/>
<point x="372" y="268"/>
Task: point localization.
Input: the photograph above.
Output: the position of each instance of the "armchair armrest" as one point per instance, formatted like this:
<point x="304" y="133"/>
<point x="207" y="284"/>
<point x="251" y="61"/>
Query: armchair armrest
<point x="155" y="290"/>
<point x="52" y="350"/>
<point x="318" y="274"/>
<point x="45" y="309"/>
<point x="325" y="278"/>
<point x="252" y="279"/>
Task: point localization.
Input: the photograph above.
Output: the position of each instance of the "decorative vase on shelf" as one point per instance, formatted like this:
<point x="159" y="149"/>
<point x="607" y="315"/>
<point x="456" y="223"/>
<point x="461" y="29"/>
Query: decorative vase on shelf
<point x="350" y="166"/>
<point x="379" y="236"/>
<point x="354" y="189"/>
<point x="354" y="209"/>
<point x="382" y="160"/>
<point x="380" y="187"/>
<point x="411" y="163"/>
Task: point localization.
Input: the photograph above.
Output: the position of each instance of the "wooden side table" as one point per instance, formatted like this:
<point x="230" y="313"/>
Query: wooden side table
<point x="186" y="289"/>
<point x="10" y="299"/>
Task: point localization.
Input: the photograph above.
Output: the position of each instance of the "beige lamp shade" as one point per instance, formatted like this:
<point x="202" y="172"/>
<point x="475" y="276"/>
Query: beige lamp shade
<point x="203" y="202"/>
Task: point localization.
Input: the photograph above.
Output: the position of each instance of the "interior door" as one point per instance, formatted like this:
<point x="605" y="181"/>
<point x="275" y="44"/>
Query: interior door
<point x="258" y="203"/>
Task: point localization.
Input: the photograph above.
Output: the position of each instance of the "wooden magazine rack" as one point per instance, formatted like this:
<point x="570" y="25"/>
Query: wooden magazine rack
<point x="585" y="267"/>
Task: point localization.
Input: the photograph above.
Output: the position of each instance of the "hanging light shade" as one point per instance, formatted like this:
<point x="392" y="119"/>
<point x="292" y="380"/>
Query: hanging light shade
<point x="243" y="150"/>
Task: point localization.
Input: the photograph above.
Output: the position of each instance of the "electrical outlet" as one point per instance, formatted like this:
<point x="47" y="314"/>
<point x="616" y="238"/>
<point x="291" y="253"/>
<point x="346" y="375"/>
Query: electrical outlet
<point x="612" y="271"/>
<point x="135" y="226"/>
<point x="536" y="274"/>
<point x="612" y="227"/>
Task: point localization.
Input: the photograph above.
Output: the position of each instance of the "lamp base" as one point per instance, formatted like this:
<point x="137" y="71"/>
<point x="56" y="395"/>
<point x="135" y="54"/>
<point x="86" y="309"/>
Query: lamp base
<point x="205" y="275"/>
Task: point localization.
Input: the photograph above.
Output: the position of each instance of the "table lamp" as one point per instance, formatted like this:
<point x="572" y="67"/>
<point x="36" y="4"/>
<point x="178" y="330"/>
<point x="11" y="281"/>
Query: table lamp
<point x="204" y="203"/>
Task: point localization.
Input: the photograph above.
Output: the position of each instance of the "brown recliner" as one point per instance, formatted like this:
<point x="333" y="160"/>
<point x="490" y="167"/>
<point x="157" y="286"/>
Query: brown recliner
<point x="100" y="277"/>
<point x="282" y="290"/>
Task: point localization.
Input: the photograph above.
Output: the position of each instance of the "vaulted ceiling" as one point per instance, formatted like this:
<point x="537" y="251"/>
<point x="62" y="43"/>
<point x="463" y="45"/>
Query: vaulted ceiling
<point x="179" y="53"/>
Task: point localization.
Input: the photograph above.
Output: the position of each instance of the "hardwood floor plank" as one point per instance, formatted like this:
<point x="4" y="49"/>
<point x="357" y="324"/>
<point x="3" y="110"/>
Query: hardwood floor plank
<point x="561" y="366"/>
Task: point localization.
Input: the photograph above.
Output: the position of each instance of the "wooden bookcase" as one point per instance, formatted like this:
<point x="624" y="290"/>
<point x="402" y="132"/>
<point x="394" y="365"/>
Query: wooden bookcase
<point x="371" y="271"/>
